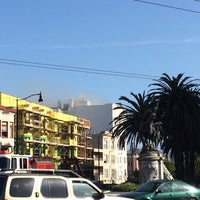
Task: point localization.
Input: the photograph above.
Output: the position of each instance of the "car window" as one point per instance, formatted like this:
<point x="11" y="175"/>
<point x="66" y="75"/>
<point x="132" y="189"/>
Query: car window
<point x="178" y="187"/>
<point x="54" y="188"/>
<point x="4" y="163"/>
<point x="165" y="187"/>
<point x="148" y="187"/>
<point x="2" y="186"/>
<point x="21" y="187"/>
<point x="181" y="186"/>
<point x="83" y="189"/>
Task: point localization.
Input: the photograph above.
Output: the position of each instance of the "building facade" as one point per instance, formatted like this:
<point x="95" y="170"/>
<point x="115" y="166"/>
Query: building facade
<point x="110" y="162"/>
<point x="41" y="132"/>
<point x="100" y="116"/>
<point x="6" y="129"/>
<point x="132" y="162"/>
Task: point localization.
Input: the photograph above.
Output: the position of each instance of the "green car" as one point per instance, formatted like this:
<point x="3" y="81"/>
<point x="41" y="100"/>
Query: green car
<point x="164" y="189"/>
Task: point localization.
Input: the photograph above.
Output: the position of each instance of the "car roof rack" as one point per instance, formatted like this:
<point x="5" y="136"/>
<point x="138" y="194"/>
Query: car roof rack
<point x="61" y="172"/>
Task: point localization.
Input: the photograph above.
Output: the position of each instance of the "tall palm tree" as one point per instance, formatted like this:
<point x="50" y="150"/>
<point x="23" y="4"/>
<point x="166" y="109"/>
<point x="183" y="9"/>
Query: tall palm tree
<point x="137" y="122"/>
<point x="178" y="101"/>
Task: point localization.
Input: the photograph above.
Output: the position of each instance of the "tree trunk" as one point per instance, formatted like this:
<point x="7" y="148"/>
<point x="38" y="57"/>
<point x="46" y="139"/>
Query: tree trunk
<point x="179" y="163"/>
<point x="191" y="172"/>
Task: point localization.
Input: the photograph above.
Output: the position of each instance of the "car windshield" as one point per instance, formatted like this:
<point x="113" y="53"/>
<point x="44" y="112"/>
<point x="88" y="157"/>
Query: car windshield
<point x="148" y="187"/>
<point x="4" y="163"/>
<point x="83" y="189"/>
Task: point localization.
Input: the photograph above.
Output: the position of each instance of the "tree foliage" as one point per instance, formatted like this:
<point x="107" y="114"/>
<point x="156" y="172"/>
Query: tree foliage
<point x="178" y="101"/>
<point x="137" y="122"/>
<point x="169" y="115"/>
<point x="171" y="167"/>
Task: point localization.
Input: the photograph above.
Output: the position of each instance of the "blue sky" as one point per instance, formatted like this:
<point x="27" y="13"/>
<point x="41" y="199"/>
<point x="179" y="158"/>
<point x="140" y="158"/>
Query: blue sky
<point x="114" y="35"/>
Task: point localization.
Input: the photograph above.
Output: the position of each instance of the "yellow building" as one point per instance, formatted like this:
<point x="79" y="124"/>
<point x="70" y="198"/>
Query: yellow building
<point x="41" y="132"/>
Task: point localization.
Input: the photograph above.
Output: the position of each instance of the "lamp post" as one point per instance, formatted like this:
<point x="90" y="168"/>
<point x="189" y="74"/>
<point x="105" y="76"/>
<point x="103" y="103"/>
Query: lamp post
<point x="17" y="118"/>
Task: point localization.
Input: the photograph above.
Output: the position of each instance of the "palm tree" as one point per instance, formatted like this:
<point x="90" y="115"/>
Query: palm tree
<point x="136" y="122"/>
<point x="178" y="101"/>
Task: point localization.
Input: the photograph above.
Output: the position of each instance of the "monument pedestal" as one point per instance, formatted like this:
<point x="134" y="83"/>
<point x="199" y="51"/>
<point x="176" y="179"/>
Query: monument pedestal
<point x="151" y="166"/>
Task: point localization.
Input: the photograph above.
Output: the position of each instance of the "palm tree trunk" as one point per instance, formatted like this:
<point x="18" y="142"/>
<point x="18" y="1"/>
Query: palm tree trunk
<point x="189" y="164"/>
<point x="178" y="156"/>
<point x="191" y="172"/>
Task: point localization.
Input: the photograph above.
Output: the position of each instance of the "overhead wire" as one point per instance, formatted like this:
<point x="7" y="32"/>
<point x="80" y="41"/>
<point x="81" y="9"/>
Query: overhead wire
<point x="168" y="6"/>
<point x="90" y="70"/>
<point x="49" y="66"/>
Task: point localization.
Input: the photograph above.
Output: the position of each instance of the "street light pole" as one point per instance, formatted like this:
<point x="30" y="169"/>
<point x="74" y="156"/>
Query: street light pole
<point x="17" y="118"/>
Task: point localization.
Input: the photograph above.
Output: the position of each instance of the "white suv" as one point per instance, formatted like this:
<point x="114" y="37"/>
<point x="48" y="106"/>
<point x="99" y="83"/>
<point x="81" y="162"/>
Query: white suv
<point x="19" y="186"/>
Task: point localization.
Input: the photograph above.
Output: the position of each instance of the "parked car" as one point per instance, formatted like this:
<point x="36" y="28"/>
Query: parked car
<point x="164" y="189"/>
<point x="41" y="186"/>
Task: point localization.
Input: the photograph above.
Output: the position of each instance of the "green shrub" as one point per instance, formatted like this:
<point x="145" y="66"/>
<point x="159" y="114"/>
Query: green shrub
<point x="125" y="187"/>
<point x="134" y="177"/>
<point x="171" y="167"/>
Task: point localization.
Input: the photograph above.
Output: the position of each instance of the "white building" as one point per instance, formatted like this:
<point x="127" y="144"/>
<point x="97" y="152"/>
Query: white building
<point x="6" y="128"/>
<point x="110" y="161"/>
<point x="100" y="116"/>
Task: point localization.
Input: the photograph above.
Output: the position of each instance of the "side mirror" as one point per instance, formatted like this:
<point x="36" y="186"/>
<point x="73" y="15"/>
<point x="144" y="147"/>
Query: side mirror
<point x="98" y="196"/>
<point x="158" y="191"/>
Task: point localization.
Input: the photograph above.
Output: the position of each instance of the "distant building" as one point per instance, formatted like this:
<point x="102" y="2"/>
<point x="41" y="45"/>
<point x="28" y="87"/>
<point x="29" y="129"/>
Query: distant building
<point x="79" y="102"/>
<point x="7" y="116"/>
<point x="100" y="116"/>
<point x="39" y="131"/>
<point x="110" y="162"/>
<point x="132" y="161"/>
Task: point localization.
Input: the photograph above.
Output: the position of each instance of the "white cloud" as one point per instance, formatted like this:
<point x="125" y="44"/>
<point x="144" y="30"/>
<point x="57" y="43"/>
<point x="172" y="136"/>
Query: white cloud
<point x="116" y="44"/>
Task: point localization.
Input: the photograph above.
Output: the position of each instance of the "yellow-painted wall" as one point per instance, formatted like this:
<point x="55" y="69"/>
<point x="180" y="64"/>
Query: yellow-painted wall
<point x="54" y="117"/>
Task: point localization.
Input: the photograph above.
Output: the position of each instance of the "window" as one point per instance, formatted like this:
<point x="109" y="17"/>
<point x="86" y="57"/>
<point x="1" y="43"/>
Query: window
<point x="36" y="120"/>
<point x="120" y="159"/>
<point x="112" y="158"/>
<point x="4" y="129"/>
<point x="23" y="163"/>
<point x="106" y="158"/>
<point x="54" y="188"/>
<point x="105" y="145"/>
<point x="21" y="187"/>
<point x="4" y="163"/>
<point x="180" y="187"/>
<point x="14" y="163"/>
<point x="2" y="186"/>
<point x="166" y="187"/>
<point x="11" y="130"/>
<point x="27" y="118"/>
<point x="113" y="172"/>
<point x="105" y="173"/>
<point x="112" y="145"/>
<point x="148" y="187"/>
<point x="125" y="172"/>
<point x="71" y="129"/>
<point x="83" y="189"/>
<point x="0" y="129"/>
<point x="125" y="159"/>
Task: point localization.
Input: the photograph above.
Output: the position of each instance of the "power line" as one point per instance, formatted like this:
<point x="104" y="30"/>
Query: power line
<point x="48" y="66"/>
<point x="168" y="6"/>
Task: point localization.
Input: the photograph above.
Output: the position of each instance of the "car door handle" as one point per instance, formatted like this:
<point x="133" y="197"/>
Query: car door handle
<point x="37" y="194"/>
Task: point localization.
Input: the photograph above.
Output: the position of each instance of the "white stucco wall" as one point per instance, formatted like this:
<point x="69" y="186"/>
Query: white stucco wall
<point x="114" y="159"/>
<point x="100" y="116"/>
<point x="6" y="116"/>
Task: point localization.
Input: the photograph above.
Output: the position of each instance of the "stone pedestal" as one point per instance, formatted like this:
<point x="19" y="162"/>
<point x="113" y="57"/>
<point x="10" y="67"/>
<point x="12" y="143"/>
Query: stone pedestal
<point x="151" y="166"/>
